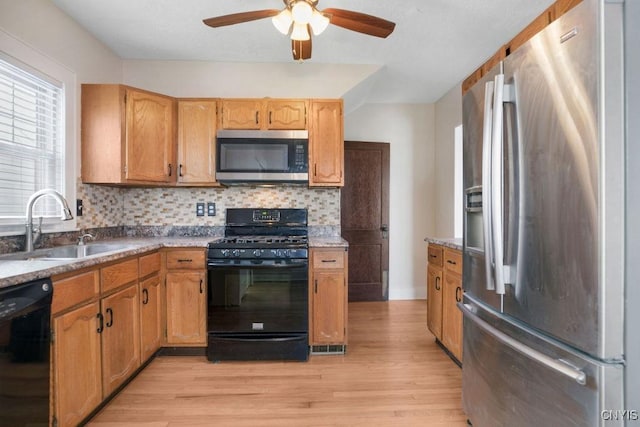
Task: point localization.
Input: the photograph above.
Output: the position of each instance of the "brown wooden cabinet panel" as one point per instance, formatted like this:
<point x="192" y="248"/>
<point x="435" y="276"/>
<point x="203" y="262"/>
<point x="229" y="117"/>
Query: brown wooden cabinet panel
<point x="149" y="137"/>
<point x="150" y="317"/>
<point x="286" y="114"/>
<point x="127" y="136"/>
<point x="77" y="382"/>
<point x="241" y="113"/>
<point x="453" y="261"/>
<point x="186" y="302"/>
<point x="328" y="296"/>
<point x="75" y="290"/>
<point x="434" y="300"/>
<point x="189" y="259"/>
<point x="197" y="125"/>
<point x="451" y="315"/>
<point x="119" y="274"/>
<point x="326" y="143"/>
<point x="560" y="7"/>
<point x="120" y="338"/>
<point x="149" y="264"/>
<point x="471" y="80"/>
<point x="537" y="25"/>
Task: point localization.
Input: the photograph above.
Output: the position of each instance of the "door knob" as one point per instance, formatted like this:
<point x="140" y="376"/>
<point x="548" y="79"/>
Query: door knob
<point x="385" y="231"/>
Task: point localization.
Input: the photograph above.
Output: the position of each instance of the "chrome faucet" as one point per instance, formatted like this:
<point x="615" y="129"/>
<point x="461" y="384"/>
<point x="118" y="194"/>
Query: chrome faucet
<point x="87" y="235"/>
<point x="33" y="235"/>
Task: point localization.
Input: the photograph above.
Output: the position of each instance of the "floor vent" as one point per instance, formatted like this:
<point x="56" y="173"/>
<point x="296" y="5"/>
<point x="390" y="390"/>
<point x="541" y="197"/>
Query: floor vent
<point x="328" y="349"/>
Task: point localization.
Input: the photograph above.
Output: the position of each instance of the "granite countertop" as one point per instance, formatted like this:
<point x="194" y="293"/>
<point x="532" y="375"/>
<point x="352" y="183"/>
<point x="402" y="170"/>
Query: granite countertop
<point x="13" y="272"/>
<point x="327" y="242"/>
<point x="449" y="242"/>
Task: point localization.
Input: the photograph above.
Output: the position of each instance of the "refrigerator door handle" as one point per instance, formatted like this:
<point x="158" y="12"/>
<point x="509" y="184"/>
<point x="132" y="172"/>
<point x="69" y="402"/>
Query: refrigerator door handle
<point x="486" y="183"/>
<point x="557" y="365"/>
<point x="497" y="183"/>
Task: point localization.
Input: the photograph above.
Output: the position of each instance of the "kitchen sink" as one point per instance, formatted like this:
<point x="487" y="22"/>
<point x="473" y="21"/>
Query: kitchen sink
<point x="68" y="252"/>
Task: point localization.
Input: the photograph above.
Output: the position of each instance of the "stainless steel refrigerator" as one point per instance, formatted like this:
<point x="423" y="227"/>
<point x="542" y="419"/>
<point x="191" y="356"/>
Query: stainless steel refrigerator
<point x="544" y="229"/>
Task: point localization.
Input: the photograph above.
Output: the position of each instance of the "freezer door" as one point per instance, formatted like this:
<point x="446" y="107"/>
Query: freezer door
<point x="477" y="120"/>
<point x="553" y="182"/>
<point x="532" y="382"/>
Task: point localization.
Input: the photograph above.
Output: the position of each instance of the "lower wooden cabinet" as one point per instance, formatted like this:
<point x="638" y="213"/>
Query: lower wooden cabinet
<point x="77" y="364"/>
<point x="328" y="297"/>
<point x="151" y="306"/>
<point x="444" y="291"/>
<point x="186" y="298"/>
<point x="120" y="338"/>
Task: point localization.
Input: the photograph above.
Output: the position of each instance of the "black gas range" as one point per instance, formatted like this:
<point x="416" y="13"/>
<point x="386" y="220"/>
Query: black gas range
<point x="258" y="286"/>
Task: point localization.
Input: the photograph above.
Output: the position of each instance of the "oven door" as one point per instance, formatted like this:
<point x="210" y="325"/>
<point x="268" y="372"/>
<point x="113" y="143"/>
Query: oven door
<point x="266" y="297"/>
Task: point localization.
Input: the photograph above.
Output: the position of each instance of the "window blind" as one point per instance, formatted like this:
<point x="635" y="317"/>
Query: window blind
<point x="31" y="141"/>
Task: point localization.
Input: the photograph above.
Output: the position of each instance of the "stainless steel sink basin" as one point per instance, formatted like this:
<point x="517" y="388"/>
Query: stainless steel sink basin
<point x="68" y="252"/>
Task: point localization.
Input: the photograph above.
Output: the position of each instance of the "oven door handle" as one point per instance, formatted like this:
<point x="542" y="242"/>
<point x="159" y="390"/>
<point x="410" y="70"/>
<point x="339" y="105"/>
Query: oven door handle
<point x="245" y="266"/>
<point x="263" y="338"/>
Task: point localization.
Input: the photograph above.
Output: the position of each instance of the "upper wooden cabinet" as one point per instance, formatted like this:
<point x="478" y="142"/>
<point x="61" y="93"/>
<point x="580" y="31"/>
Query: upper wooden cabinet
<point x="553" y="12"/>
<point x="127" y="136"/>
<point x="263" y="114"/>
<point x="326" y="144"/>
<point x="197" y="124"/>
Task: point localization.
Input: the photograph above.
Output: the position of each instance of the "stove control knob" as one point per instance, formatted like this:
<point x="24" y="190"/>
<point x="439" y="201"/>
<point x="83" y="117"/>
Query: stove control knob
<point x="286" y="252"/>
<point x="257" y="252"/>
<point x="278" y="252"/>
<point x="225" y="252"/>
<point x="235" y="253"/>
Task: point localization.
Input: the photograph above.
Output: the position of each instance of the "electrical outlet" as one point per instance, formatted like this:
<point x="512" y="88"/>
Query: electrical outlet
<point x="211" y="209"/>
<point x="78" y="207"/>
<point x="200" y="209"/>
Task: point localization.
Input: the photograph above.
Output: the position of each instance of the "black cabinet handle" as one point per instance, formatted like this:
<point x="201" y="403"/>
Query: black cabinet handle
<point x="451" y="262"/>
<point x="270" y="117"/>
<point x="180" y="170"/>
<point x="328" y="260"/>
<point x="145" y="297"/>
<point x="437" y="283"/>
<point x="185" y="260"/>
<point x="257" y="115"/>
<point x="110" y="321"/>
<point x="315" y="290"/>
<point x="433" y="256"/>
<point x="458" y="294"/>
<point x="100" y="323"/>
<point x="201" y="290"/>
<point x="170" y="169"/>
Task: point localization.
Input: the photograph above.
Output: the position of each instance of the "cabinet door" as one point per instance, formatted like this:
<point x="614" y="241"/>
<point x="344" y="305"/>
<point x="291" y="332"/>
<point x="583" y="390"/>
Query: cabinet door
<point x="150" y="317"/>
<point x="197" y="122"/>
<point x="287" y="114"/>
<point x="326" y="144"/>
<point x="434" y="300"/>
<point x="241" y="113"/>
<point x="149" y="138"/>
<point x="328" y="307"/>
<point x="76" y="367"/>
<point x="186" y="302"/>
<point x="451" y="315"/>
<point x="121" y="338"/>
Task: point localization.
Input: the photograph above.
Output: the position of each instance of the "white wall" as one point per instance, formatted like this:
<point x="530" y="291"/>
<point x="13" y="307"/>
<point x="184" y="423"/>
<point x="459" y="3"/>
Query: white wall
<point x="448" y="115"/>
<point x="409" y="129"/>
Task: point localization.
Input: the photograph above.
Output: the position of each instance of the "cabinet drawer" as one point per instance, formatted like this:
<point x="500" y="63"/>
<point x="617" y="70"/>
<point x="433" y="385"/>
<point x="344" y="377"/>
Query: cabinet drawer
<point x="328" y="259"/>
<point x="185" y="259"/>
<point x="74" y="290"/>
<point x="119" y="274"/>
<point x="453" y="261"/>
<point x="149" y="264"/>
<point x="435" y="255"/>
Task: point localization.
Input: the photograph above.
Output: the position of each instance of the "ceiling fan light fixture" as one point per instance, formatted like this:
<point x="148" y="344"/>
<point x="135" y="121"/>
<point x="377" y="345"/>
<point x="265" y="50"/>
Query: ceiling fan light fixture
<point x="300" y="32"/>
<point x="319" y="22"/>
<point x="301" y="12"/>
<point x="283" y="21"/>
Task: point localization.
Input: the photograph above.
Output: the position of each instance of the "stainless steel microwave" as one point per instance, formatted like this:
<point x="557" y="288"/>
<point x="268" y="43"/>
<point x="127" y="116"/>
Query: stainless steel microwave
<point x="254" y="156"/>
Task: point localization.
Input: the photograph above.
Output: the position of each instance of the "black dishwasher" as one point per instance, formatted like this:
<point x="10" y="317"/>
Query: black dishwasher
<point x="25" y="335"/>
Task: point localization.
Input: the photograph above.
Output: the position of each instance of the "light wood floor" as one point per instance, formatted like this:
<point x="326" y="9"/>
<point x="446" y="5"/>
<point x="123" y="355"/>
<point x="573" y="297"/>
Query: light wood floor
<point x="392" y="375"/>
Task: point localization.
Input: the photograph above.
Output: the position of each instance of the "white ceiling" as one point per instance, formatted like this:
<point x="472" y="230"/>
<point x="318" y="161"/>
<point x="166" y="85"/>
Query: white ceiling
<point x="436" y="43"/>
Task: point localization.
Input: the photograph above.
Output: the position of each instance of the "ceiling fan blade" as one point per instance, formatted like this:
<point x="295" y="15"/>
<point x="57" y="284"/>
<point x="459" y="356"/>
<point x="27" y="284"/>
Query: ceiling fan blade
<point x="301" y="49"/>
<point x="237" y="18"/>
<point x="360" y="22"/>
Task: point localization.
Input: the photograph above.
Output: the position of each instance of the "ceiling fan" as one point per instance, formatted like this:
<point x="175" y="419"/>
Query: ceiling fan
<point x="300" y="16"/>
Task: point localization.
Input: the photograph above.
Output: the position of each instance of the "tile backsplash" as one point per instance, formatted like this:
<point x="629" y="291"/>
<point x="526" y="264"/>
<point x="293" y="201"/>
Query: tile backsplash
<point x="109" y="206"/>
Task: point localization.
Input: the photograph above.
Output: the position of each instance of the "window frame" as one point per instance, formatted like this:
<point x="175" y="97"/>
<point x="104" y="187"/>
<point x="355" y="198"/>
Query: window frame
<point x="23" y="56"/>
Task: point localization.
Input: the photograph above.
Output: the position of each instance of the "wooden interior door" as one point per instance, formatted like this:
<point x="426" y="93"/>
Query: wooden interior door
<point x="364" y="207"/>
